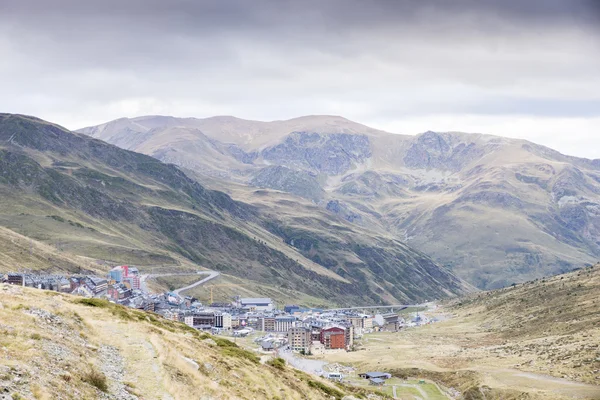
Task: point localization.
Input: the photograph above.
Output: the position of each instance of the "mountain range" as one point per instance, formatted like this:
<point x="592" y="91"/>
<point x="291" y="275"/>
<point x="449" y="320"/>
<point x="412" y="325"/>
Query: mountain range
<point x="71" y="202"/>
<point x="493" y="210"/>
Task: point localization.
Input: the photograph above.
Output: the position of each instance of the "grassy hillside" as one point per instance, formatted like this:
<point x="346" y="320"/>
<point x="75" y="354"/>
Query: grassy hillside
<point x="554" y="322"/>
<point x="537" y="340"/>
<point x="61" y="346"/>
<point x="494" y="210"/>
<point x="97" y="205"/>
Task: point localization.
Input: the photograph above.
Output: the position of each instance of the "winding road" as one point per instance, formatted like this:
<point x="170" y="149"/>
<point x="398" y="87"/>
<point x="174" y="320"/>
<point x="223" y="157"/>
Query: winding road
<point x="211" y="275"/>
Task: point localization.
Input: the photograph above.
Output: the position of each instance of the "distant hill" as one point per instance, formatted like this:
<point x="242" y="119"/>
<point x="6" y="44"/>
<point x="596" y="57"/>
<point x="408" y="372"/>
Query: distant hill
<point x="70" y="201"/>
<point x="495" y="210"/>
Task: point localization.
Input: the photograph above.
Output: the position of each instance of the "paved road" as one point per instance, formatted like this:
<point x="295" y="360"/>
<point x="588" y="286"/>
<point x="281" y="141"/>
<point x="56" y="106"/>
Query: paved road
<point x="314" y="367"/>
<point x="400" y="306"/>
<point x="211" y="275"/>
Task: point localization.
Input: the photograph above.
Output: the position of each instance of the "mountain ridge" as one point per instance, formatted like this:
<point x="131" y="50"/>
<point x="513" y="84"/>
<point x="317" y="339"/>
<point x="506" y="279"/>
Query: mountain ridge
<point x="496" y="210"/>
<point x="97" y="201"/>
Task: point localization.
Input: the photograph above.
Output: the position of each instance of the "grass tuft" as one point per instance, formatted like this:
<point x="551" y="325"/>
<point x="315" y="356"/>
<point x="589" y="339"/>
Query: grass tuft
<point x="96" y="379"/>
<point x="277" y="362"/>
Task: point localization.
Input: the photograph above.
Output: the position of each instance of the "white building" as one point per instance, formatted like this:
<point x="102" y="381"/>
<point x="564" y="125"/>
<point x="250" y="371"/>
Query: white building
<point x="257" y="304"/>
<point x="284" y="324"/>
<point x="223" y="321"/>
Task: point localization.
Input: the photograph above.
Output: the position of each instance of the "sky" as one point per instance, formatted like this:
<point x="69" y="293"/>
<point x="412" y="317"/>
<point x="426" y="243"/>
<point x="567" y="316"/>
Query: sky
<point x="525" y="69"/>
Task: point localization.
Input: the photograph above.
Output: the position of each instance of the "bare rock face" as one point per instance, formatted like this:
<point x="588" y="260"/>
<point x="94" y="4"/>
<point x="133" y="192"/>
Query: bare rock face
<point x="433" y="150"/>
<point x="330" y="154"/>
<point x="300" y="183"/>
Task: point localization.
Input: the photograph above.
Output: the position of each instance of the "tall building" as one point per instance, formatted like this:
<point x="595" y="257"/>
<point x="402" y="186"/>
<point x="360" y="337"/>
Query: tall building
<point x="267" y="324"/>
<point x="223" y="320"/>
<point x="284" y="323"/>
<point x="116" y="274"/>
<point x="299" y="338"/>
<point x="334" y="338"/>
<point x="133" y="281"/>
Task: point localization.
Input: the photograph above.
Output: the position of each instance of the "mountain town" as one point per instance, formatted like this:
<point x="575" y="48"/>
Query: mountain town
<point x="299" y="200"/>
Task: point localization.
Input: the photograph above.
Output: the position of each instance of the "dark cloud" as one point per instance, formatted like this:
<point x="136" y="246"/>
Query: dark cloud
<point x="86" y="61"/>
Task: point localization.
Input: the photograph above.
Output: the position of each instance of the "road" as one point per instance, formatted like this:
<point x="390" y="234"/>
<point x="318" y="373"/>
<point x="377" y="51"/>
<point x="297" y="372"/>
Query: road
<point x="314" y="367"/>
<point x="211" y="275"/>
<point x="399" y="306"/>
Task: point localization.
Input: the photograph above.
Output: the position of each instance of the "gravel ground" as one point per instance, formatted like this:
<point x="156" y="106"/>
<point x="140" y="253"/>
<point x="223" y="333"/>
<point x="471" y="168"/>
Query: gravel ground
<point x="114" y="369"/>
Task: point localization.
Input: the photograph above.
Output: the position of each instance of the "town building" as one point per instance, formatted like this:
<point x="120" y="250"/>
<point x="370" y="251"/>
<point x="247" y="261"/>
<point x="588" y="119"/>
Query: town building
<point x="256" y="304"/>
<point x="333" y="338"/>
<point x="96" y="284"/>
<point x="223" y="321"/>
<point x="391" y="322"/>
<point x="349" y="337"/>
<point x="267" y="324"/>
<point x="284" y="323"/>
<point x="15" y="279"/>
<point x="201" y="320"/>
<point x="299" y="339"/>
<point x="317" y="348"/>
<point x="118" y="292"/>
<point x="375" y="375"/>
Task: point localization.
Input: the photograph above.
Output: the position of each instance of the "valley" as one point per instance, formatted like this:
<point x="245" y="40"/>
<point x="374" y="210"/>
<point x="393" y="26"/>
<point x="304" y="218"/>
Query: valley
<point x="300" y="200"/>
<point x="496" y="211"/>
<point x="97" y="206"/>
<point x="537" y="340"/>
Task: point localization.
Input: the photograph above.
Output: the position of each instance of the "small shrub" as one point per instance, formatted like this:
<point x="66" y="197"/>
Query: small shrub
<point x="328" y="390"/>
<point x="17" y="396"/>
<point x="240" y="353"/>
<point x="277" y="362"/>
<point x="224" y="342"/>
<point x="93" y="302"/>
<point x="96" y="379"/>
<point x="36" y="336"/>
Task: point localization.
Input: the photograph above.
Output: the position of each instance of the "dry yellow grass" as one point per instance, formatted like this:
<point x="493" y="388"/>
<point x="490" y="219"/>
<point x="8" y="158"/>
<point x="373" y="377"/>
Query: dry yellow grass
<point x="54" y="346"/>
<point x="539" y="340"/>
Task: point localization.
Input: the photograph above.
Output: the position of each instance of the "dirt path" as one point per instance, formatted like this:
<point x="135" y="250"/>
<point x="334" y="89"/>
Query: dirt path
<point x="139" y="354"/>
<point x="510" y="378"/>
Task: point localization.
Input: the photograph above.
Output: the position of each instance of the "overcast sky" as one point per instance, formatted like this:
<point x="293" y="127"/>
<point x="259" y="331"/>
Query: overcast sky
<point x="518" y="68"/>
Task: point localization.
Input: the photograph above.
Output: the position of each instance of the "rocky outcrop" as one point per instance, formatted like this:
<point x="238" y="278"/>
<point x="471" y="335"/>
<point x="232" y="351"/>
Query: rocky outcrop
<point x="433" y="150"/>
<point x="299" y="183"/>
<point x="330" y="154"/>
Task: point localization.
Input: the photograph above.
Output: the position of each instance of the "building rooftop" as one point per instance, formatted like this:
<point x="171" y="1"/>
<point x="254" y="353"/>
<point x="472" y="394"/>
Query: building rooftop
<point x="376" y="375"/>
<point x="257" y="300"/>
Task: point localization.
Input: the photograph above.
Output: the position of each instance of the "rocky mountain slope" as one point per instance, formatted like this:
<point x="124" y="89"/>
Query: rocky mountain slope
<point x="80" y="200"/>
<point x="56" y="346"/>
<point x="493" y="209"/>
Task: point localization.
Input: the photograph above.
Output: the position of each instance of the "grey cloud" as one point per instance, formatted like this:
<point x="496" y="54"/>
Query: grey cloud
<point x="88" y="61"/>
